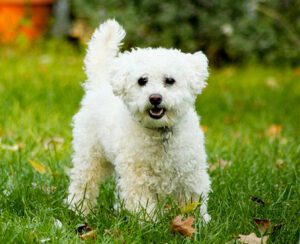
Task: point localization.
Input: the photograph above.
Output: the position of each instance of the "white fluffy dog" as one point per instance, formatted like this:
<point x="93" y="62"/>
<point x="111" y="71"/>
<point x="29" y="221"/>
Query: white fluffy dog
<point x="137" y="119"/>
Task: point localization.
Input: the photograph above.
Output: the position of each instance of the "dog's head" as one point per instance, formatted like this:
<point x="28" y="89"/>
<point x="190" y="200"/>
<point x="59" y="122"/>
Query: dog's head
<point x="158" y="86"/>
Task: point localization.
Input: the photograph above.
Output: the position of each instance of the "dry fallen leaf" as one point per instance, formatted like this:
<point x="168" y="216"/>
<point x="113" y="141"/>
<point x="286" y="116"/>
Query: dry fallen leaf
<point x="89" y="235"/>
<point x="184" y="227"/>
<point x="190" y="207"/>
<point x="81" y="30"/>
<point x="54" y="142"/>
<point x="204" y="128"/>
<point x="263" y="225"/>
<point x="274" y="131"/>
<point x="229" y="71"/>
<point x="38" y="166"/>
<point x="85" y="231"/>
<point x="213" y="167"/>
<point x="297" y="71"/>
<point x="83" y="228"/>
<point x="272" y="83"/>
<point x="236" y="134"/>
<point x="279" y="163"/>
<point x="257" y="200"/>
<point x="221" y="163"/>
<point x="252" y="239"/>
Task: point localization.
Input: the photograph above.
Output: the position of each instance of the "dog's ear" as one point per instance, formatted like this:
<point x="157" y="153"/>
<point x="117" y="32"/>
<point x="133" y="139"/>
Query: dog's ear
<point x="199" y="64"/>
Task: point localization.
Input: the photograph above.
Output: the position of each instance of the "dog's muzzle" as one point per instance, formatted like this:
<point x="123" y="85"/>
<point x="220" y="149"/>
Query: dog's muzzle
<point x="156" y="112"/>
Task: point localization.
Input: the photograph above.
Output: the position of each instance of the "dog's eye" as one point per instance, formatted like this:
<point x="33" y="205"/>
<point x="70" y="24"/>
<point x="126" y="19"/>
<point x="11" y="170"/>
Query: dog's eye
<point x="142" y="81"/>
<point x="169" y="81"/>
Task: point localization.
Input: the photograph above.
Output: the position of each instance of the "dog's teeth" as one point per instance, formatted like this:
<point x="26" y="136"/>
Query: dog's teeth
<point x="156" y="113"/>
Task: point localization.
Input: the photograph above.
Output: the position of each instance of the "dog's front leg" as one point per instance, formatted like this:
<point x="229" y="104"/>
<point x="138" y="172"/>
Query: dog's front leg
<point x="136" y="197"/>
<point x="87" y="172"/>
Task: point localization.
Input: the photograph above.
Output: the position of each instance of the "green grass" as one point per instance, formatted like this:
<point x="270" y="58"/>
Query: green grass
<point x="40" y="91"/>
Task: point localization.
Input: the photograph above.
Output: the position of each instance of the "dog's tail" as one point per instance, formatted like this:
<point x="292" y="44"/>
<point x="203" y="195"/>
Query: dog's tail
<point x="102" y="48"/>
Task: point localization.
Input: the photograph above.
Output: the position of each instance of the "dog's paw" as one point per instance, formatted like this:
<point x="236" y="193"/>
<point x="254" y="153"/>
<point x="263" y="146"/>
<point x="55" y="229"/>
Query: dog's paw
<point x="206" y="218"/>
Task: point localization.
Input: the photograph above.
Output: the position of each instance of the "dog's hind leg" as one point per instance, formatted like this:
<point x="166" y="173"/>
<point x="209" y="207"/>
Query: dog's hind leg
<point x="205" y="189"/>
<point x="203" y="211"/>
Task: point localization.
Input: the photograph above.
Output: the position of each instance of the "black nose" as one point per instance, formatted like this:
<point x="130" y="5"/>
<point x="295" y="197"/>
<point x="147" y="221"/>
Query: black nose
<point x="155" y="99"/>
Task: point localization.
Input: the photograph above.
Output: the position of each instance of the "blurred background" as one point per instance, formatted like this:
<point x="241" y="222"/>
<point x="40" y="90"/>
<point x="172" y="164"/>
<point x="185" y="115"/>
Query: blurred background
<point x="227" y="31"/>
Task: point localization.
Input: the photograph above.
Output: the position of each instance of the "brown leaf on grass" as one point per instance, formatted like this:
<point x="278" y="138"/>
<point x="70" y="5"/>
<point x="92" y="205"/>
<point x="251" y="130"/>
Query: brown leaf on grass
<point x="89" y="235"/>
<point x="83" y="228"/>
<point x="81" y="30"/>
<point x="204" y="128"/>
<point x="85" y="231"/>
<point x="236" y="134"/>
<point x="257" y="200"/>
<point x="228" y="120"/>
<point x="297" y="71"/>
<point x="212" y="167"/>
<point x="274" y="131"/>
<point x="221" y="163"/>
<point x="279" y="163"/>
<point x="229" y="71"/>
<point x="252" y="239"/>
<point x="263" y="225"/>
<point x="184" y="227"/>
<point x="55" y="141"/>
<point x="38" y="166"/>
<point x="272" y="83"/>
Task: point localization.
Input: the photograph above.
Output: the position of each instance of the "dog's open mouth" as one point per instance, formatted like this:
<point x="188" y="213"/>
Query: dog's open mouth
<point x="156" y="113"/>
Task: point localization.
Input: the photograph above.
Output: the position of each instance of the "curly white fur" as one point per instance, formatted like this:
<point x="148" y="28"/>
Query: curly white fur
<point x="113" y="132"/>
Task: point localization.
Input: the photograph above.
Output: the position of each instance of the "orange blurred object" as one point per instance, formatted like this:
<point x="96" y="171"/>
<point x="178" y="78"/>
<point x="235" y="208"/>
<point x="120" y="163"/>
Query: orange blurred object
<point x="28" y="18"/>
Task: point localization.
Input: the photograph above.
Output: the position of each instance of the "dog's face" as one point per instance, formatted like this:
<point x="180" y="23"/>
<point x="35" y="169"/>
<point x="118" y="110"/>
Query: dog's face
<point x="158" y="86"/>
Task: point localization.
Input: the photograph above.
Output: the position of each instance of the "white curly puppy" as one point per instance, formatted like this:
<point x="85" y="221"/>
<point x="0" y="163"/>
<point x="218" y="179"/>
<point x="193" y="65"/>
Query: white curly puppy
<point x="137" y="119"/>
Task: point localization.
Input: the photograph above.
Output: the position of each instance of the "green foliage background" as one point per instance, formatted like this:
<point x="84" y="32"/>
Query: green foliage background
<point x="267" y="30"/>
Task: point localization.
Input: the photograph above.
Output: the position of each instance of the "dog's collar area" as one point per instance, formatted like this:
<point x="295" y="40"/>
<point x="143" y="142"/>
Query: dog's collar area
<point x="161" y="133"/>
<point x="162" y="130"/>
<point x="165" y="129"/>
<point x="166" y="133"/>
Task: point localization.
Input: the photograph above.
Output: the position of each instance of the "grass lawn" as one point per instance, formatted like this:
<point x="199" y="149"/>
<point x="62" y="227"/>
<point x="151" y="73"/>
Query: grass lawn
<point x="251" y="117"/>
